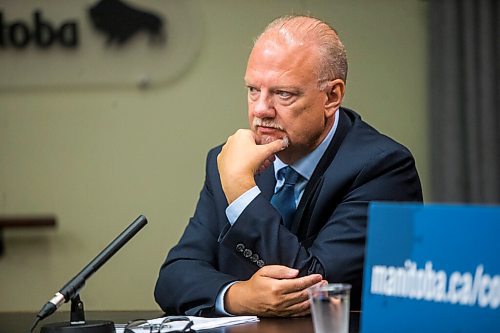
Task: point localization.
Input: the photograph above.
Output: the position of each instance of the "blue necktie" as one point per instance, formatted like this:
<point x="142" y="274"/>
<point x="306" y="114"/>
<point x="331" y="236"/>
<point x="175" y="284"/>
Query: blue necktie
<point x="284" y="199"/>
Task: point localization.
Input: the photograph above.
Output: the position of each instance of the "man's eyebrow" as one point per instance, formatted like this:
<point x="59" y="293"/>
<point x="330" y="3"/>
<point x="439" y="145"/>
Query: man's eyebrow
<point x="292" y="89"/>
<point x="285" y="88"/>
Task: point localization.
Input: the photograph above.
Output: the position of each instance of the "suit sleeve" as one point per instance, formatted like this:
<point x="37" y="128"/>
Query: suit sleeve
<point x="189" y="280"/>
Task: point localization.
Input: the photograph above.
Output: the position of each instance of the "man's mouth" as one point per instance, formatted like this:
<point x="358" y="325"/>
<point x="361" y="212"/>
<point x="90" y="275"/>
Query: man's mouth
<point x="266" y="124"/>
<point x="267" y="130"/>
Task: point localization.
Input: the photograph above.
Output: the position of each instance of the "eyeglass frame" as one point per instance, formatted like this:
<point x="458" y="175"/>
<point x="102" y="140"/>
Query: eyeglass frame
<point x="156" y="328"/>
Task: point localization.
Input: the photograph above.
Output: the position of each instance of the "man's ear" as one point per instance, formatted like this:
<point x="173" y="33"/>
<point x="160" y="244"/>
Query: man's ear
<point x="335" y="93"/>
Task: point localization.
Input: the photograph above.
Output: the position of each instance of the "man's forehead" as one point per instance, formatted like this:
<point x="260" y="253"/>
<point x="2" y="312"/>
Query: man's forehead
<point x="271" y="58"/>
<point x="278" y="52"/>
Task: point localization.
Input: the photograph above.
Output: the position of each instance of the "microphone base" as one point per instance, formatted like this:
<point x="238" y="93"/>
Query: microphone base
<point x="90" y="326"/>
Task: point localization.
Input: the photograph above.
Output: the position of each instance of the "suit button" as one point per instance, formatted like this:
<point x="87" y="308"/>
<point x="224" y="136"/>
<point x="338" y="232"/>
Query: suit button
<point x="260" y="263"/>
<point x="254" y="257"/>
<point x="247" y="253"/>
<point x="240" y="247"/>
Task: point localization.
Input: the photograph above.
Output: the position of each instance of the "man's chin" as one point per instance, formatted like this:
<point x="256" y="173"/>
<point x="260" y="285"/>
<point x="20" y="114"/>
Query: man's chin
<point x="264" y="139"/>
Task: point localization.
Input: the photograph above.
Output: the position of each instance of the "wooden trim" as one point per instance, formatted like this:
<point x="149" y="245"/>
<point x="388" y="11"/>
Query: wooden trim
<point x="27" y="221"/>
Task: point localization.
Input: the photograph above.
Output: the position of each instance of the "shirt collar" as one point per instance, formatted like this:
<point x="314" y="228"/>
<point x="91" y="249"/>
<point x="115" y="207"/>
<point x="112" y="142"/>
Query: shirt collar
<point x="306" y="165"/>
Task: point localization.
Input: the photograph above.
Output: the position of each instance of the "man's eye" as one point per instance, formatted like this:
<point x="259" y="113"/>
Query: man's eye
<point x="253" y="93"/>
<point x="284" y="94"/>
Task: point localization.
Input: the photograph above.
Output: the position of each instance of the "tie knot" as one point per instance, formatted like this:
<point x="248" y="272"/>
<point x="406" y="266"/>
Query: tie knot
<point x="290" y="175"/>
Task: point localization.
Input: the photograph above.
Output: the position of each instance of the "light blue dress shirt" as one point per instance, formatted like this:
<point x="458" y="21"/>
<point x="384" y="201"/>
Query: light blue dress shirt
<point x="305" y="167"/>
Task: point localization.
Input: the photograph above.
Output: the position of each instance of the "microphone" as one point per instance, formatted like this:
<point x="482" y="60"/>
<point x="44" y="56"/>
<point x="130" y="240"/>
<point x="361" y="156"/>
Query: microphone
<point x="72" y="288"/>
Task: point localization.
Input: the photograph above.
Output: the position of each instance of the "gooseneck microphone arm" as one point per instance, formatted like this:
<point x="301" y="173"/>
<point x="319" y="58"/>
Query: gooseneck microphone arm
<point x="72" y="288"/>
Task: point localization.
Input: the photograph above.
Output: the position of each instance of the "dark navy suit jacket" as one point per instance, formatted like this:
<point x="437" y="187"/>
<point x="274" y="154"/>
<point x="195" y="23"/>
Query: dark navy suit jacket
<point x="328" y="234"/>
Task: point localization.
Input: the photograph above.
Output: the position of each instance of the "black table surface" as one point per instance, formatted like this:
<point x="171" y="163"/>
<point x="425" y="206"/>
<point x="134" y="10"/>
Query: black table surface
<point x="20" y="322"/>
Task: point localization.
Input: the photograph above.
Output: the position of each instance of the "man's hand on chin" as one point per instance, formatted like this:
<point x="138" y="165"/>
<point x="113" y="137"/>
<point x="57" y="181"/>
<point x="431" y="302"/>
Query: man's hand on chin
<point x="272" y="291"/>
<point x="241" y="158"/>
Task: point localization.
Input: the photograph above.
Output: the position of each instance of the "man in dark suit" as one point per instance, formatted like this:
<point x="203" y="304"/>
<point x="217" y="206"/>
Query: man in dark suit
<point x="284" y="204"/>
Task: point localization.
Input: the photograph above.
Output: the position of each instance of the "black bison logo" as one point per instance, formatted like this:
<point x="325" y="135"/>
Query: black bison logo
<point x="120" y="22"/>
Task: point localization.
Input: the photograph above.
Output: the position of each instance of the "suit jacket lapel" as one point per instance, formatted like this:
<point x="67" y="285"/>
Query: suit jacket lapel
<point x="313" y="187"/>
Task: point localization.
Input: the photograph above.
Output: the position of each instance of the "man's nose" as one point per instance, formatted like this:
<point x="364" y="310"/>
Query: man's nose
<point x="264" y="106"/>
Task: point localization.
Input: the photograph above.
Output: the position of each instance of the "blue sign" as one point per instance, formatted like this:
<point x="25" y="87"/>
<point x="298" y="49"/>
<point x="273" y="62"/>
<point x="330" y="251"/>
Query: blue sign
<point x="432" y="268"/>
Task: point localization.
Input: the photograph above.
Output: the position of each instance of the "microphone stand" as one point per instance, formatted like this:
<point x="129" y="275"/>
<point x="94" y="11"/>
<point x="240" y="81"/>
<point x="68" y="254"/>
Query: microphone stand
<point x="77" y="323"/>
<point x="71" y="291"/>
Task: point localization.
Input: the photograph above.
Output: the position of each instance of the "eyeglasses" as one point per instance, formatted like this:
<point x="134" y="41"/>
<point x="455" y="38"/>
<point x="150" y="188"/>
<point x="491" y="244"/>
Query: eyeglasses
<point x="167" y="325"/>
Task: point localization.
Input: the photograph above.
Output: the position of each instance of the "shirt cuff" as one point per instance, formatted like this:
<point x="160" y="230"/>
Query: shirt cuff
<point x="219" y="301"/>
<point x="234" y="210"/>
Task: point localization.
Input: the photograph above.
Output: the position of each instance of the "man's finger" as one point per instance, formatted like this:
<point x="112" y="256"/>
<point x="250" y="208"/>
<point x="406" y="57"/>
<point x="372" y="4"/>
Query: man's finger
<point x="302" y="314"/>
<point x="274" y="146"/>
<point x="278" y="272"/>
<point x="302" y="283"/>
<point x="290" y="300"/>
<point x="299" y="309"/>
